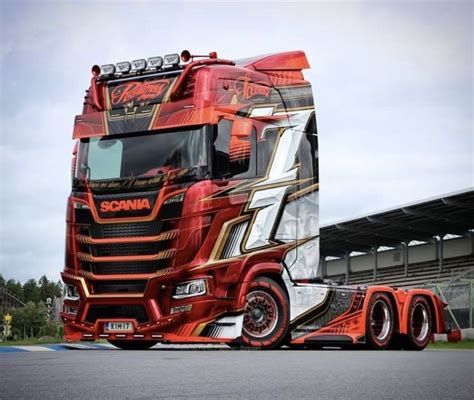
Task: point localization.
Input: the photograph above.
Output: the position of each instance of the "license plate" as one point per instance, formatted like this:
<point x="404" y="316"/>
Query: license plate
<point x="118" y="327"/>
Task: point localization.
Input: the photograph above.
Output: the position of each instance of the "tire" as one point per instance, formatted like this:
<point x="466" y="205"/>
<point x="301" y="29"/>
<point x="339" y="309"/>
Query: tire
<point x="397" y="343"/>
<point x="133" y="344"/>
<point x="419" y="324"/>
<point x="380" y="322"/>
<point x="266" y="315"/>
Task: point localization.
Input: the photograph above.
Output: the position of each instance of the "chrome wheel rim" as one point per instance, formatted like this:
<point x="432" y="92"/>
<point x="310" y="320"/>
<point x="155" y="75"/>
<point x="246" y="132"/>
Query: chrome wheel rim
<point x="380" y="320"/>
<point x="420" y="323"/>
<point x="260" y="314"/>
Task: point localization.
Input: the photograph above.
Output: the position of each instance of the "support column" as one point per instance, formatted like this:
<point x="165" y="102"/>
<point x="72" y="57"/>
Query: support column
<point x="406" y="257"/>
<point x="440" y="253"/>
<point x="322" y="267"/>
<point x="471" y="304"/>
<point x="376" y="262"/>
<point x="348" y="265"/>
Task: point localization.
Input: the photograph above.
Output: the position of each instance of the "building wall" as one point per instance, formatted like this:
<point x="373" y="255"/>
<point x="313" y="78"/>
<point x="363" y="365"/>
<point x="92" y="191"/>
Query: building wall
<point x="391" y="258"/>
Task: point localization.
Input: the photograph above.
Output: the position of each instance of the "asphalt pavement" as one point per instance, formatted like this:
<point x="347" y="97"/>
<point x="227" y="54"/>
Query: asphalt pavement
<point x="176" y="373"/>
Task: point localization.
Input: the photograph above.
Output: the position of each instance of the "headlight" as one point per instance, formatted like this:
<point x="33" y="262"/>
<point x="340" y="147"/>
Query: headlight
<point x="190" y="289"/>
<point x="71" y="293"/>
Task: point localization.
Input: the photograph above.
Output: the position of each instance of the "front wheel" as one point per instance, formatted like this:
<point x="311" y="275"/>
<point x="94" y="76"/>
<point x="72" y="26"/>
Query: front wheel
<point x="266" y="315"/>
<point x="380" y="325"/>
<point x="133" y="344"/>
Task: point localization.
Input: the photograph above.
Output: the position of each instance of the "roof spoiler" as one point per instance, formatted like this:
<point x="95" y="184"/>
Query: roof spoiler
<point x="287" y="61"/>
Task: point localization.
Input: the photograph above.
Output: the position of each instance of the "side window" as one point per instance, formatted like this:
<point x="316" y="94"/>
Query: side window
<point x="231" y="161"/>
<point x="265" y="149"/>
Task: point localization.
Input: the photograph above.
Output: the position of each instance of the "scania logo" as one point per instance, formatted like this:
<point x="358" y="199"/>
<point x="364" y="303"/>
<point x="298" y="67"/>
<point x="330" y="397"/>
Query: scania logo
<point x="124" y="205"/>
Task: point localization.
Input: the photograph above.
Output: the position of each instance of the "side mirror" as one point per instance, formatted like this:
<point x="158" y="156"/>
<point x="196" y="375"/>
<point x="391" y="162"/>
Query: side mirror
<point x="240" y="146"/>
<point x="74" y="160"/>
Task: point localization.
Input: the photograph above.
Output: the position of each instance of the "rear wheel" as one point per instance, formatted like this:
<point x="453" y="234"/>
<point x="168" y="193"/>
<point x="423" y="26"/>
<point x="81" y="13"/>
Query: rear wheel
<point x="419" y="324"/>
<point x="380" y="322"/>
<point x="266" y="316"/>
<point x="133" y="344"/>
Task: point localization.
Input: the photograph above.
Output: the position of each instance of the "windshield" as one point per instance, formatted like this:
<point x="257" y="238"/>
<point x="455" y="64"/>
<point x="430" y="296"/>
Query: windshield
<point x="147" y="155"/>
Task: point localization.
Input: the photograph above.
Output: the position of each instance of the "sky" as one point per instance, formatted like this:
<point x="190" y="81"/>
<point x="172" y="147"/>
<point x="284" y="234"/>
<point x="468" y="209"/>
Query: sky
<point x="392" y="83"/>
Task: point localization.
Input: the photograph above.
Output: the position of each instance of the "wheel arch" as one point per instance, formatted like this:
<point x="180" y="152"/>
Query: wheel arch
<point x="272" y="270"/>
<point x="435" y="305"/>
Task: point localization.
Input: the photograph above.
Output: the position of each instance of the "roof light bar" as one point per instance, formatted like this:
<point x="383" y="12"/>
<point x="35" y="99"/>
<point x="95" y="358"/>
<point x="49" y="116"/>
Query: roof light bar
<point x="171" y="59"/>
<point x="123" y="67"/>
<point x="138" y="65"/>
<point x="154" y="62"/>
<point x="141" y="64"/>
<point x="107" y="70"/>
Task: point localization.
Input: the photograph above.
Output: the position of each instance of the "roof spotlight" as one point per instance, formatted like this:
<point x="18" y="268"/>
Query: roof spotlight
<point x="155" y="62"/>
<point x="171" y="59"/>
<point x="123" y="67"/>
<point x="138" y="65"/>
<point x="107" y="70"/>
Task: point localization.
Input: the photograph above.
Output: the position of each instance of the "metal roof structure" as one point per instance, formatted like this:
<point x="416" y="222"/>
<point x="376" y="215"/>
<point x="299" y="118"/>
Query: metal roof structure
<point x="425" y="221"/>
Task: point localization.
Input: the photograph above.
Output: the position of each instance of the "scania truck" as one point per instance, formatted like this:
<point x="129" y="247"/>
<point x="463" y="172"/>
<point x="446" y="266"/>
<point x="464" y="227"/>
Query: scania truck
<point x="193" y="216"/>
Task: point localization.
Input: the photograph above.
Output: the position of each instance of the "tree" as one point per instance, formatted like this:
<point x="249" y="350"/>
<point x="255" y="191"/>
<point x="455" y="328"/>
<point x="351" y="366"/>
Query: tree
<point x="50" y="328"/>
<point x="30" y="319"/>
<point x="49" y="289"/>
<point x="2" y="281"/>
<point x="31" y="291"/>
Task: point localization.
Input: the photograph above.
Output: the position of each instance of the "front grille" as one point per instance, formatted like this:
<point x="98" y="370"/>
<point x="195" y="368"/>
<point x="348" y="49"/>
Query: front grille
<point x="136" y="229"/>
<point x="125" y="268"/>
<point x="119" y="287"/>
<point x="108" y="312"/>
<point x="125" y="249"/>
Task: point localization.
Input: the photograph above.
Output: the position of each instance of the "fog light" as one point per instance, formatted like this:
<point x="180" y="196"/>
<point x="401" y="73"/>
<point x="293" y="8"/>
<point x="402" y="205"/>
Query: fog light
<point x="70" y="310"/>
<point x="180" y="309"/>
<point x="190" y="289"/>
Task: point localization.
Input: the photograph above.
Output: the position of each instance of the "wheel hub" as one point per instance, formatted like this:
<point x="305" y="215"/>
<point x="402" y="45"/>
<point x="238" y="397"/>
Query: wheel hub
<point x="260" y="315"/>
<point x="420" y="325"/>
<point x="380" y="320"/>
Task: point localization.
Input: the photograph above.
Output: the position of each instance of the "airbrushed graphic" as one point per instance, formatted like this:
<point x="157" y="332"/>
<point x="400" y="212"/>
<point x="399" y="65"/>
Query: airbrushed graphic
<point x="204" y="224"/>
<point x="138" y="91"/>
<point x="268" y="195"/>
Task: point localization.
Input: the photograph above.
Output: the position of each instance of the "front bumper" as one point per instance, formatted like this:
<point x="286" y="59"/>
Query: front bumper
<point x="158" y="316"/>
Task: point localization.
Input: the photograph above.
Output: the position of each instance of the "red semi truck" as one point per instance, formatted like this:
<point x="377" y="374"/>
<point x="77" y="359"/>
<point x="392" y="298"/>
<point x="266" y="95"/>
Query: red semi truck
<point x="193" y="216"/>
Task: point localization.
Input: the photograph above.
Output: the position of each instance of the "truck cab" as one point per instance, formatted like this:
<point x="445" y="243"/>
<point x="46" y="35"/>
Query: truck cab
<point x="193" y="215"/>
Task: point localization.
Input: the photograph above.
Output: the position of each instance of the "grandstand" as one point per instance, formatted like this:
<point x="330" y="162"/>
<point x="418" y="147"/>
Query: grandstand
<point x="424" y="244"/>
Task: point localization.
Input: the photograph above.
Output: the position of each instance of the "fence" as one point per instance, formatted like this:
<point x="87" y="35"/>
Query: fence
<point x="460" y="299"/>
